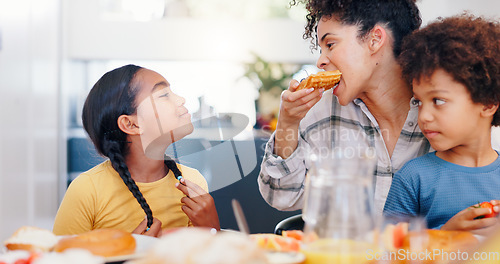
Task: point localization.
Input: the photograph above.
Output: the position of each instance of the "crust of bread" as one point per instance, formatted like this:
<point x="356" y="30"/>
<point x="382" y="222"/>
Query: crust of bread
<point x="31" y="238"/>
<point x="101" y="242"/>
<point x="325" y="79"/>
<point x="16" y="246"/>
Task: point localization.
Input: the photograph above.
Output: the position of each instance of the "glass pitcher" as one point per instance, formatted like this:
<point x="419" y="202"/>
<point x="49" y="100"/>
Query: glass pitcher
<point x="338" y="210"/>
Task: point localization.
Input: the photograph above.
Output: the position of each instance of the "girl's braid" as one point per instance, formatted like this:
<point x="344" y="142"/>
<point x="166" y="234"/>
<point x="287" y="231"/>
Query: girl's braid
<point x="112" y="149"/>
<point x="171" y="165"/>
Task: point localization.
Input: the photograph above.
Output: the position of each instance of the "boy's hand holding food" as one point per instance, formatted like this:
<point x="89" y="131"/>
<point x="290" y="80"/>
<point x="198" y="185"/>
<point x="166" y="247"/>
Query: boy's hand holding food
<point x="479" y="219"/>
<point x="488" y="205"/>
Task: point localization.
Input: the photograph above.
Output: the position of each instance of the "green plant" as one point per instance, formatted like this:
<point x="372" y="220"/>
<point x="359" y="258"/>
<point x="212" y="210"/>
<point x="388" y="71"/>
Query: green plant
<point x="270" y="76"/>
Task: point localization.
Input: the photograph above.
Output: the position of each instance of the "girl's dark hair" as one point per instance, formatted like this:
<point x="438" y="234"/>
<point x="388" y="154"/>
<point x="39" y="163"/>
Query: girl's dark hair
<point x="114" y="95"/>
<point x="401" y="16"/>
<point x="466" y="47"/>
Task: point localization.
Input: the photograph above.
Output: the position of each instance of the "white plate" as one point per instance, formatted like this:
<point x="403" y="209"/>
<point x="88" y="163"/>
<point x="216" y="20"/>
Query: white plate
<point x="142" y="244"/>
<point x="275" y="257"/>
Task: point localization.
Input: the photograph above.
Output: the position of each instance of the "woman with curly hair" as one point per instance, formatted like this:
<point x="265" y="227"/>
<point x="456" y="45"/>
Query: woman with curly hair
<point x="454" y="65"/>
<point x="371" y="106"/>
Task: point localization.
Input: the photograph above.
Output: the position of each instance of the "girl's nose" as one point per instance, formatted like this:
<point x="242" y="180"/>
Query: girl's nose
<point x="179" y="100"/>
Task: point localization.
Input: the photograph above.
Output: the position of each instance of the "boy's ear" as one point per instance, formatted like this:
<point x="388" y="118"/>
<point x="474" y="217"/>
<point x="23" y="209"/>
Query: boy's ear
<point x="377" y="38"/>
<point x="128" y="124"/>
<point x="489" y="110"/>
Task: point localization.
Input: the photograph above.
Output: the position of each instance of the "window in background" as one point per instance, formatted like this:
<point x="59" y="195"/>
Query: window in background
<point x="209" y="87"/>
<point x="147" y="10"/>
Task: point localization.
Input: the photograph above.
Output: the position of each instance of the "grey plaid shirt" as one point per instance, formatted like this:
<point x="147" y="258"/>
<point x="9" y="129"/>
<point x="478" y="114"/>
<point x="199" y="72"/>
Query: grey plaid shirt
<point x="281" y="182"/>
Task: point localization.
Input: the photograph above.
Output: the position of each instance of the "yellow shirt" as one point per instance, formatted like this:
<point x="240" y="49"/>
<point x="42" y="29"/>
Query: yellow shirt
<point x="99" y="199"/>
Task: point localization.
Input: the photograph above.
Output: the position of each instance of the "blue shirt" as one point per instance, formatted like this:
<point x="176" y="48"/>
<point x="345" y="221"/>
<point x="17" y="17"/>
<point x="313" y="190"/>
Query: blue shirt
<point x="433" y="188"/>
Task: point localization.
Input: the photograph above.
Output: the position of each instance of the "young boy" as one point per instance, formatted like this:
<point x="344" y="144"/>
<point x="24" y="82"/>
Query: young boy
<point x="454" y="66"/>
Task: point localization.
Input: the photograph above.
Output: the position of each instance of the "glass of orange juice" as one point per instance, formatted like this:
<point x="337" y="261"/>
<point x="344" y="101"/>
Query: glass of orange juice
<point x="339" y="251"/>
<point x="338" y="210"/>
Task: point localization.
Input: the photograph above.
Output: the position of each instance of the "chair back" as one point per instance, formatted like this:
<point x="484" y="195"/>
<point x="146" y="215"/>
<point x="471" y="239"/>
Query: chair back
<point x="294" y="222"/>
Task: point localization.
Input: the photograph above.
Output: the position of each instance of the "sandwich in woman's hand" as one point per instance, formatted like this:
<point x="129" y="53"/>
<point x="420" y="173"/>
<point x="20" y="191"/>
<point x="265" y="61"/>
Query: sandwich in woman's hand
<point x="324" y="79"/>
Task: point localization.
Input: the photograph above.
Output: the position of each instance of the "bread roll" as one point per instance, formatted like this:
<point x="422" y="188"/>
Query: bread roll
<point x="31" y="238"/>
<point x="101" y="242"/>
<point x="324" y="79"/>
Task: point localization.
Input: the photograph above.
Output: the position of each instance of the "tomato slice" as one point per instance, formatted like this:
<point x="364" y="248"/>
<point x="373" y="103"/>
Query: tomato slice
<point x="490" y="206"/>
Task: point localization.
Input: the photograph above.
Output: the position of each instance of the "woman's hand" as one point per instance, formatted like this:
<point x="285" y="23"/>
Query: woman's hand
<point x="295" y="104"/>
<point x="154" y="230"/>
<point x="465" y="220"/>
<point x="198" y="205"/>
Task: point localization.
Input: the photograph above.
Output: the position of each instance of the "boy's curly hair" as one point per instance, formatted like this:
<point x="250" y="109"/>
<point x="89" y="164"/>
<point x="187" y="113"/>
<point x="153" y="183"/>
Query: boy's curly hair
<point x="401" y="16"/>
<point x="465" y="46"/>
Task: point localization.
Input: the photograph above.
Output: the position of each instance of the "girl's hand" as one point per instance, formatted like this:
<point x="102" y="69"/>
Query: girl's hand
<point x="465" y="221"/>
<point x="198" y="205"/>
<point x="154" y="230"/>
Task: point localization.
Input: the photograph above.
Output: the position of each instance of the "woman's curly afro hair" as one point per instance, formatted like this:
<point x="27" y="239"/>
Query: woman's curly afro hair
<point x="401" y="16"/>
<point x="466" y="47"/>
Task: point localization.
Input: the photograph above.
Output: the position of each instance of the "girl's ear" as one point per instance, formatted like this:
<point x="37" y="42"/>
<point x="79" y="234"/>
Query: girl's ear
<point x="489" y="110"/>
<point x="128" y="124"/>
<point x="377" y="38"/>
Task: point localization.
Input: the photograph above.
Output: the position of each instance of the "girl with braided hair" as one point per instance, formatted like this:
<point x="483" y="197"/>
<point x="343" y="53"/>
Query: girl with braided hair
<point x="132" y="116"/>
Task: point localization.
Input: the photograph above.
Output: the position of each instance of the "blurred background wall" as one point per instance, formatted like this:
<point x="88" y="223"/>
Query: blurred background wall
<point x="52" y="51"/>
<point x="30" y="56"/>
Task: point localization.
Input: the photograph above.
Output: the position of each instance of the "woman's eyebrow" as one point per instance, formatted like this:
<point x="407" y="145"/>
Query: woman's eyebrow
<point x="159" y="85"/>
<point x="325" y="35"/>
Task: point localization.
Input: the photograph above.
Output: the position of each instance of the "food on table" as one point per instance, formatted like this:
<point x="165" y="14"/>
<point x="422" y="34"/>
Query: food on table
<point x="33" y="245"/>
<point x="324" y="79"/>
<point x="444" y="240"/>
<point x="397" y="236"/>
<point x="296" y="234"/>
<point x="199" y="245"/>
<point x="101" y="242"/>
<point x="32" y="239"/>
<point x="275" y="242"/>
<point x="442" y="243"/>
<point x="73" y="256"/>
<point x="397" y="239"/>
<point x="489" y="206"/>
<point x="19" y="257"/>
<point x="393" y="235"/>
<point x="70" y="256"/>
